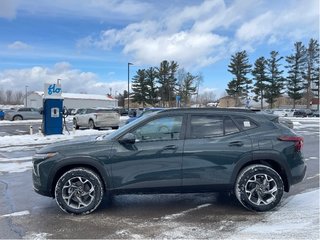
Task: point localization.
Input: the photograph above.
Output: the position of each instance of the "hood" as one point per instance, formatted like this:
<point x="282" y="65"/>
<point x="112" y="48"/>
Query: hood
<point x="79" y="144"/>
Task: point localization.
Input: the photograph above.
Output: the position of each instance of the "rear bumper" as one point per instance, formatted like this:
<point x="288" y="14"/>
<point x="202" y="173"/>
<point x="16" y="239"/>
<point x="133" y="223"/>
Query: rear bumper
<point x="298" y="174"/>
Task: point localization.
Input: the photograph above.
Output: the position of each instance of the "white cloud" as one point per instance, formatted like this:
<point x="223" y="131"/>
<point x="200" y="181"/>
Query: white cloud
<point x="18" y="45"/>
<point x="299" y="19"/>
<point x="111" y="9"/>
<point x="73" y="80"/>
<point x="199" y="35"/>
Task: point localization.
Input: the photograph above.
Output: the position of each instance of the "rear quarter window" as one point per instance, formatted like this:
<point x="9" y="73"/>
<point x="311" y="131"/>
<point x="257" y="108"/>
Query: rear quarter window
<point x="244" y="123"/>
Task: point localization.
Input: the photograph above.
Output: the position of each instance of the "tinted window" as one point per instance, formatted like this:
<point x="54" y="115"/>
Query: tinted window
<point x="229" y="126"/>
<point x="206" y="126"/>
<point x="244" y="122"/>
<point x="24" y="110"/>
<point x="166" y="128"/>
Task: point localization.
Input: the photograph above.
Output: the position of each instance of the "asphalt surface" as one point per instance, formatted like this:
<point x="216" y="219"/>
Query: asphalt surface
<point x="25" y="214"/>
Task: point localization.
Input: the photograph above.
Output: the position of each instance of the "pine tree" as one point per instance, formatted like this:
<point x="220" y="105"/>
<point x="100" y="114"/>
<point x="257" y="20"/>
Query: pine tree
<point x="296" y="65"/>
<point x="139" y="87"/>
<point x="187" y="85"/>
<point x="275" y="79"/>
<point x="260" y="77"/>
<point x="239" y="86"/>
<point x="312" y="71"/>
<point x="167" y="80"/>
<point x="152" y="93"/>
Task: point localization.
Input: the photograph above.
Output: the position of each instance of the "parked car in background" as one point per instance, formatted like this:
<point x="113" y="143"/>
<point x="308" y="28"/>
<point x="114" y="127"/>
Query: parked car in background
<point x="96" y="118"/>
<point x="176" y="150"/>
<point x="283" y="112"/>
<point x="24" y="113"/>
<point x="142" y="113"/>
<point x="121" y="111"/>
<point x="1" y="114"/>
<point x="303" y="113"/>
<point x="315" y="113"/>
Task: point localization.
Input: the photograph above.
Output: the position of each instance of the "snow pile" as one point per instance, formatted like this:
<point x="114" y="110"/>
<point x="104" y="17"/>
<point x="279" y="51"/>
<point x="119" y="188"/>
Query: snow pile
<point x="297" y="219"/>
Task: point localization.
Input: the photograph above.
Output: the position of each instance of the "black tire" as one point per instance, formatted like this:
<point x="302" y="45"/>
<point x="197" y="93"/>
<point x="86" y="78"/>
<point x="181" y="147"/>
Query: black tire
<point x="259" y="188"/>
<point x="91" y="124"/>
<point x="115" y="127"/>
<point x="75" y="124"/>
<point x="17" y="118"/>
<point x="79" y="191"/>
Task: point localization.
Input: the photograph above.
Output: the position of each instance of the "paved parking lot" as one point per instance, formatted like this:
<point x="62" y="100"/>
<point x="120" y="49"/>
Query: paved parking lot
<point x="25" y="214"/>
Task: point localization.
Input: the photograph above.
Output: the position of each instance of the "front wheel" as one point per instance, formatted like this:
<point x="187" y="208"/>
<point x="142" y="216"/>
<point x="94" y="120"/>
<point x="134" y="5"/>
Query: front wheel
<point x="91" y="124"/>
<point x="17" y="118"/>
<point x="75" y="124"/>
<point x="79" y="191"/>
<point x="259" y="188"/>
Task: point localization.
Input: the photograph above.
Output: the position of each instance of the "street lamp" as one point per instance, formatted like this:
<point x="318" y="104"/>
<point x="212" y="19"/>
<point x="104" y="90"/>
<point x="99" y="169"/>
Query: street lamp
<point x="26" y="96"/>
<point x="129" y="83"/>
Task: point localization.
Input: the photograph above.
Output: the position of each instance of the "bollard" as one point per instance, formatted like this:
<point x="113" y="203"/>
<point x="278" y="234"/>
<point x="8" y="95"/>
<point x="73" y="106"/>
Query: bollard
<point x="74" y="130"/>
<point x="31" y="130"/>
<point x="39" y="130"/>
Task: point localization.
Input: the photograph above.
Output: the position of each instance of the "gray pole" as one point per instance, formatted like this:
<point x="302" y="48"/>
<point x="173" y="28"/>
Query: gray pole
<point x="26" y="96"/>
<point x="129" y="83"/>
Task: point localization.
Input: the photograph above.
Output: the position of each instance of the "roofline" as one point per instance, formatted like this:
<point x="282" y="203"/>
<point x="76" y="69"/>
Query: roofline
<point x="208" y="109"/>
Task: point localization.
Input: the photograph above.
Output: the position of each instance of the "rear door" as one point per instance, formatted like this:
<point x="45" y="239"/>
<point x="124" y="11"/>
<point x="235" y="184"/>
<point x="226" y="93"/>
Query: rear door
<point x="214" y="144"/>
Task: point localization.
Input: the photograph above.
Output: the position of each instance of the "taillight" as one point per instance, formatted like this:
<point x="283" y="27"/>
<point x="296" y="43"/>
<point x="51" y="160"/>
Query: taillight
<point x="298" y="141"/>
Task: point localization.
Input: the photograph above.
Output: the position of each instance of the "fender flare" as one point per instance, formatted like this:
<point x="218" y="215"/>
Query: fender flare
<point x="76" y="161"/>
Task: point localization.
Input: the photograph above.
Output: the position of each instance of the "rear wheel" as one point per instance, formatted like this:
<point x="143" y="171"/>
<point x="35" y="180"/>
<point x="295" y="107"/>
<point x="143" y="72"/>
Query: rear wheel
<point x="259" y="188"/>
<point x="91" y="124"/>
<point x="79" y="191"/>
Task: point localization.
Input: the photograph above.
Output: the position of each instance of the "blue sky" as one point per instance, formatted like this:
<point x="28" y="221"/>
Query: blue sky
<point x="88" y="44"/>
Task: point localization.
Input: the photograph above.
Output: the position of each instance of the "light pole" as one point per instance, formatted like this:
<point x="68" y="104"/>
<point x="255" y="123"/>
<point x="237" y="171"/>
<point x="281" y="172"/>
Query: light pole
<point x="129" y="84"/>
<point x="26" y="96"/>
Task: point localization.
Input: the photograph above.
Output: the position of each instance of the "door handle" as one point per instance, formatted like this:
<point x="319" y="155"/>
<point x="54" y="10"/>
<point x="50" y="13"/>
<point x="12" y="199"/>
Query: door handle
<point x="170" y="147"/>
<point x="236" y="144"/>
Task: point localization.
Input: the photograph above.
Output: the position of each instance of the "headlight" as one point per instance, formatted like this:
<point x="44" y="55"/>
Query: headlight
<point x="43" y="156"/>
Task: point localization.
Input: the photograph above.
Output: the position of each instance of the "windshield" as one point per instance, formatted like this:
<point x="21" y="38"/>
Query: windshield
<point x="127" y="126"/>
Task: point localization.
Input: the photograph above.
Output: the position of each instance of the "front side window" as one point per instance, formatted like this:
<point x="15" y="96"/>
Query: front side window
<point x="166" y="128"/>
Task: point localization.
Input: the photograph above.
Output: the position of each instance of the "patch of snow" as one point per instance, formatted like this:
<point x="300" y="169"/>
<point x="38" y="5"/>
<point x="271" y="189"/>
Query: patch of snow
<point x="37" y="236"/>
<point x="16" y="214"/>
<point x="176" y="215"/>
<point x="297" y="219"/>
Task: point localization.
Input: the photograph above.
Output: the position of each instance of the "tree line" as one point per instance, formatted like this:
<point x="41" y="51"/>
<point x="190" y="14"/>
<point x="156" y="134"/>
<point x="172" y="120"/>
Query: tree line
<point x="266" y="78"/>
<point x="10" y="97"/>
<point x="160" y="86"/>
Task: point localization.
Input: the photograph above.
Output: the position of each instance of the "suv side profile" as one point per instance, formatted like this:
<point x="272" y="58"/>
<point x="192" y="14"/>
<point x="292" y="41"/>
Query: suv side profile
<point x="96" y="118"/>
<point x="176" y="151"/>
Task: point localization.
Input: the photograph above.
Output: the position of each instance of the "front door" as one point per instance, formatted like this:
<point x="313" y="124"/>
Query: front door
<point x="154" y="160"/>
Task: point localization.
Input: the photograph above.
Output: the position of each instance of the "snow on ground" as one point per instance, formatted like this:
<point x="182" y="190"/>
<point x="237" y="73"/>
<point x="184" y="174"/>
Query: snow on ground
<point x="297" y="218"/>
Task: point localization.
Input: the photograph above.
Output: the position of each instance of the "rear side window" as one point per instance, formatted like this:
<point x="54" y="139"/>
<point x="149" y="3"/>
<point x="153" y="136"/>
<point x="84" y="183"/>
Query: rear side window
<point x="212" y="126"/>
<point x="206" y="126"/>
<point x="244" y="123"/>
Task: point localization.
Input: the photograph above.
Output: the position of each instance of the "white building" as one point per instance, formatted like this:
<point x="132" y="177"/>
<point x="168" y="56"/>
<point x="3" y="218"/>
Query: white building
<point x="74" y="100"/>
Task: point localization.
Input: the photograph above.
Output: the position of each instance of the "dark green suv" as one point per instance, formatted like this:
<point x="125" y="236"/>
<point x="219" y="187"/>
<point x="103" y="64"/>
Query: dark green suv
<point x="175" y="151"/>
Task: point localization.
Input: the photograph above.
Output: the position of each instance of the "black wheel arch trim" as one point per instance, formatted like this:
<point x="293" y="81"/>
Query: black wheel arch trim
<point x="268" y="158"/>
<point x="78" y="161"/>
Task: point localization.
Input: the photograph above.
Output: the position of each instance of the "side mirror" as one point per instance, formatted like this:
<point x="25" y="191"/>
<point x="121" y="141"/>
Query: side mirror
<point x="128" y="138"/>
